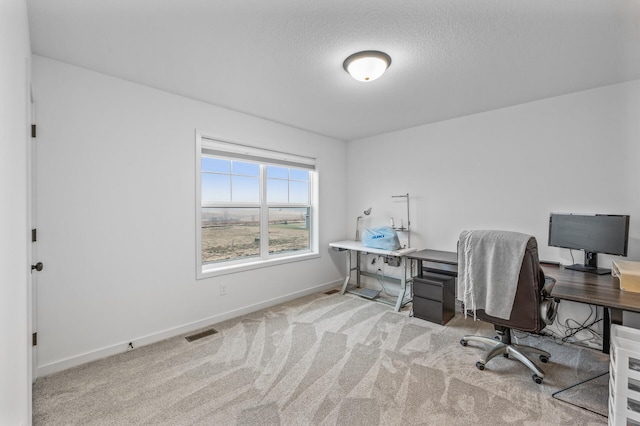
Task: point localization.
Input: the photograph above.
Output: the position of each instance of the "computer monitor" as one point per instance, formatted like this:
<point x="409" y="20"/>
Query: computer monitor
<point x="598" y="233"/>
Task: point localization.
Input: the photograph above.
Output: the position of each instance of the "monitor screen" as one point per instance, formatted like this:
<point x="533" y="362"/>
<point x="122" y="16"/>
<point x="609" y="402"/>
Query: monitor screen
<point x="600" y="233"/>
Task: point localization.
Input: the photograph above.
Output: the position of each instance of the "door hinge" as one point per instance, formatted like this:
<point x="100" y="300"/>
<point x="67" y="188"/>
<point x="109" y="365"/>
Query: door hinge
<point x="33" y="130"/>
<point x="34" y="339"/>
<point x="34" y="235"/>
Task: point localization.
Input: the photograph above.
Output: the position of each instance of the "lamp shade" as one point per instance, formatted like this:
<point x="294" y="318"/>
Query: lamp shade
<point x="368" y="65"/>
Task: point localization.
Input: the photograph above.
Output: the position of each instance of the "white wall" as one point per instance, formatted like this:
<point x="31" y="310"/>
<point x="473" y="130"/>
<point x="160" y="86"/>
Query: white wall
<point x="507" y="169"/>
<point x="116" y="208"/>
<point x="15" y="377"/>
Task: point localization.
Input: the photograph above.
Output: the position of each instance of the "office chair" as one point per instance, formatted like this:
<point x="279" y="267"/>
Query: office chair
<point x="533" y="309"/>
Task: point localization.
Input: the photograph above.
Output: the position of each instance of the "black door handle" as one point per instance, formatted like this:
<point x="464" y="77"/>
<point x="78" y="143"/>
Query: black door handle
<point x="38" y="266"/>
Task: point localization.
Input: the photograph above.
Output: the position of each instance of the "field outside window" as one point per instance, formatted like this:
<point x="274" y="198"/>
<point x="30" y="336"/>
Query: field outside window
<point x="252" y="211"/>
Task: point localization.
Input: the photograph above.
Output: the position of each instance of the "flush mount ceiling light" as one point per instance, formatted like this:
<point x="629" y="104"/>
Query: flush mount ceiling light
<point x="368" y="65"/>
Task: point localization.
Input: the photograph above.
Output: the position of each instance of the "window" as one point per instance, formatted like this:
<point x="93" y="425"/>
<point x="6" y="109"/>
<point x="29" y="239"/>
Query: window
<point x="255" y="207"/>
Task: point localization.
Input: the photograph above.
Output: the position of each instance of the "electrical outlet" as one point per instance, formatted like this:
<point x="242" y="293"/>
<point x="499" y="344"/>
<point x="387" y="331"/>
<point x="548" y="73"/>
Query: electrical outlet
<point x="223" y="289"/>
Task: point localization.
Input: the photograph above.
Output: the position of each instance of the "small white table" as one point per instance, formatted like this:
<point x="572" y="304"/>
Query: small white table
<point x="405" y="265"/>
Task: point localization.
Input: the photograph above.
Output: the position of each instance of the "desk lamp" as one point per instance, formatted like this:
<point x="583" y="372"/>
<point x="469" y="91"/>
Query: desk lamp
<point x="367" y="212"/>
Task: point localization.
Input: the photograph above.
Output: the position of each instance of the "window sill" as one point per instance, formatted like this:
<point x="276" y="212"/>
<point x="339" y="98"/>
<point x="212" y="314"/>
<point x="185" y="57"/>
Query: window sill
<point x="209" y="271"/>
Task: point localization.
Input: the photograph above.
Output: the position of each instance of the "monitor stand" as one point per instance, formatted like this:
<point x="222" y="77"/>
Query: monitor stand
<point x="589" y="269"/>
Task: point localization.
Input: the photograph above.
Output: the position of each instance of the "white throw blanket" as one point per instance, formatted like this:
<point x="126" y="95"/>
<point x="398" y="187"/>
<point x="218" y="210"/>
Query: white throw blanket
<point x="489" y="265"/>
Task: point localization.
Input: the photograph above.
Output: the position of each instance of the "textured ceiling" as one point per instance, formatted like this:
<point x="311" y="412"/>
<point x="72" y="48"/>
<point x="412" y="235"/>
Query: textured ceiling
<point x="282" y="59"/>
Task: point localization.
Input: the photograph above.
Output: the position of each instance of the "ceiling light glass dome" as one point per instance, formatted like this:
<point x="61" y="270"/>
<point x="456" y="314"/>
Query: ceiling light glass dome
<point x="368" y="65"/>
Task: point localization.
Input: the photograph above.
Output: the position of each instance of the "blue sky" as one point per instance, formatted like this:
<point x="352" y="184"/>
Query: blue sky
<point x="238" y="181"/>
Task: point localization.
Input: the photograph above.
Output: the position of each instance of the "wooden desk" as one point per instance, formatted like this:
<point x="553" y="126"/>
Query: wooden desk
<point x="600" y="290"/>
<point x="576" y="286"/>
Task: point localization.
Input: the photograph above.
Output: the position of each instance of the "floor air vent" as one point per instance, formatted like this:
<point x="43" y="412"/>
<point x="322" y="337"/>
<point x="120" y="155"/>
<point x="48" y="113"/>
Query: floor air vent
<point x="200" y="335"/>
<point x="334" y="291"/>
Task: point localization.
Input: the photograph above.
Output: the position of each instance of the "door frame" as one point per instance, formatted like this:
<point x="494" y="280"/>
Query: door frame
<point x="30" y="166"/>
<point x="31" y="222"/>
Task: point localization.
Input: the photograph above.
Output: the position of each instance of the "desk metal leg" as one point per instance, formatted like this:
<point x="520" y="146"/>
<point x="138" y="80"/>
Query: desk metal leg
<point x="403" y="281"/>
<point x="403" y="285"/>
<point x="358" y="259"/>
<point x="348" y="275"/>
<point x="611" y="316"/>
<point x="616" y="316"/>
<point x="606" y="331"/>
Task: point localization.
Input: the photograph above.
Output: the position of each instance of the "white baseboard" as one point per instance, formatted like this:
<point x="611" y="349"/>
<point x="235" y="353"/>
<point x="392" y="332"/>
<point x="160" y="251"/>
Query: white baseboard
<point x="86" y="357"/>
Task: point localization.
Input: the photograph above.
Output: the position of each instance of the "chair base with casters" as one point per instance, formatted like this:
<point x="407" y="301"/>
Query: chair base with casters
<point x="504" y="347"/>
<point x="532" y="310"/>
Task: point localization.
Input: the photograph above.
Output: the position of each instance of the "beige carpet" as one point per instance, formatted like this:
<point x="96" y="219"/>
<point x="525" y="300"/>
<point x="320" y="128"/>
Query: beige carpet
<point x="319" y="360"/>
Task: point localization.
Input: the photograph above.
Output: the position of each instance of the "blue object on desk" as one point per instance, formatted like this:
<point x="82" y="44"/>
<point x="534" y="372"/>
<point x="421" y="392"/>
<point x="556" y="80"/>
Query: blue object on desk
<point x="383" y="237"/>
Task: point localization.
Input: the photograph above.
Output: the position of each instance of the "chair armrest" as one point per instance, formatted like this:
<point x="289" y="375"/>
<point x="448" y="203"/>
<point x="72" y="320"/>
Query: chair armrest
<point x="549" y="282"/>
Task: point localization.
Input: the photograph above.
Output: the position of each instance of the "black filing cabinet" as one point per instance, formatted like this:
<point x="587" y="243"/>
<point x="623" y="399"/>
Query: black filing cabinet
<point x="434" y="297"/>
<point x="434" y="288"/>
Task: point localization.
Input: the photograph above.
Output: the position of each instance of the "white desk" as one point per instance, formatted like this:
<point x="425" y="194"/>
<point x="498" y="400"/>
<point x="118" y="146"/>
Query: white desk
<point x="405" y="266"/>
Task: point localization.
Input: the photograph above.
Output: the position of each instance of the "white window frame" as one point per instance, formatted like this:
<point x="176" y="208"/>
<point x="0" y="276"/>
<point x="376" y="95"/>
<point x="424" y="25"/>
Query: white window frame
<point x="235" y="151"/>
